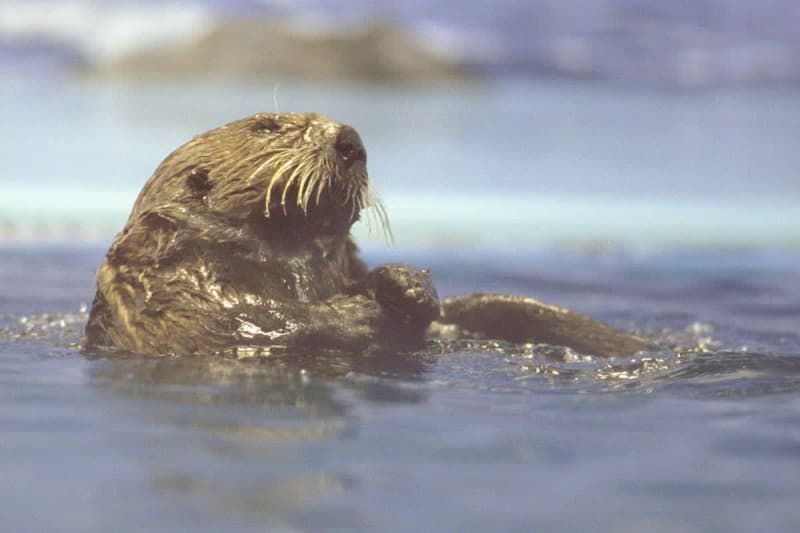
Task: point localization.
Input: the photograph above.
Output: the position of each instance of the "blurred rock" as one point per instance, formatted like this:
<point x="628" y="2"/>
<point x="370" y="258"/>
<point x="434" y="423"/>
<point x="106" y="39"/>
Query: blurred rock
<point x="245" y="49"/>
<point x="675" y="43"/>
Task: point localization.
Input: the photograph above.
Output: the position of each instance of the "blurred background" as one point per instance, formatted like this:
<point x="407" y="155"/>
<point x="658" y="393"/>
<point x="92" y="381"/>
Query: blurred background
<point x="595" y="124"/>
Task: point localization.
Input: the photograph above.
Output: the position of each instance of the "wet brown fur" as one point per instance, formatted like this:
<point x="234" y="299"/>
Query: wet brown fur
<point x="240" y="240"/>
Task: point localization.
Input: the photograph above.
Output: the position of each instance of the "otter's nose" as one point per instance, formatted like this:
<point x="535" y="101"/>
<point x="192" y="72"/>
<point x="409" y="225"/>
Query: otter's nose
<point x="348" y="145"/>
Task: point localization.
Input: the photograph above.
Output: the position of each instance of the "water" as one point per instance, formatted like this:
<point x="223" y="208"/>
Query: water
<point x="472" y="440"/>
<point x="668" y="213"/>
<point x="540" y="163"/>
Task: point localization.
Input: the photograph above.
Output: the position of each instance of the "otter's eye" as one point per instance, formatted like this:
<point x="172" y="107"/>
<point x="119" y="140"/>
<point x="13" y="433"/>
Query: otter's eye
<point x="266" y="125"/>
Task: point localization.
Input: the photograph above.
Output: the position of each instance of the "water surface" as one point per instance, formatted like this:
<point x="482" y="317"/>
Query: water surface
<point x="477" y="439"/>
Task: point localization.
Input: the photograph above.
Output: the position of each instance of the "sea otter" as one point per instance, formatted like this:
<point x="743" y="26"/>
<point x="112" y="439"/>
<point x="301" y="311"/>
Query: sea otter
<point x="241" y="238"/>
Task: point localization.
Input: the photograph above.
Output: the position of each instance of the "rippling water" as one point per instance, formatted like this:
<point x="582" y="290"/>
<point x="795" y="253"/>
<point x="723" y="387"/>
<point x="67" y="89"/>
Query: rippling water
<point x="486" y="437"/>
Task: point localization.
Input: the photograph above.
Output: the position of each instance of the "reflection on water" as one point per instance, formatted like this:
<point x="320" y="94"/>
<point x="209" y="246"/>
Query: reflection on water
<point x="233" y="431"/>
<point x="324" y="442"/>
<point x="483" y="435"/>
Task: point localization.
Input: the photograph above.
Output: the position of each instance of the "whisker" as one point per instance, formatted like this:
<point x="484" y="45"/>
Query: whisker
<point x="275" y="159"/>
<point x="286" y="187"/>
<point x="303" y="184"/>
<point x="322" y="183"/>
<point x="310" y="174"/>
<point x="376" y="208"/>
<point x="309" y="190"/>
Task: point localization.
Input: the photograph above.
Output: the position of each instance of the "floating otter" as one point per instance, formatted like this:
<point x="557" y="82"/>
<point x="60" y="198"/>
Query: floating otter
<point x="241" y="238"/>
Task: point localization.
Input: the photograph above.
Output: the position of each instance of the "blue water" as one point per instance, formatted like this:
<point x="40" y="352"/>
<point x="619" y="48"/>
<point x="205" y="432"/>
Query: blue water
<point x="472" y="440"/>
<point x="673" y="214"/>
<point x="502" y="164"/>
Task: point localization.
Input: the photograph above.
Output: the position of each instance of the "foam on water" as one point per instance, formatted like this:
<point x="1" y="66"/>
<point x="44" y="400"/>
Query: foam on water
<point x="493" y="366"/>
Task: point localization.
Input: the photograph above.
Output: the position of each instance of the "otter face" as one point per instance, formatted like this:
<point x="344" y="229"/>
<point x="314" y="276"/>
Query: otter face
<point x="270" y="167"/>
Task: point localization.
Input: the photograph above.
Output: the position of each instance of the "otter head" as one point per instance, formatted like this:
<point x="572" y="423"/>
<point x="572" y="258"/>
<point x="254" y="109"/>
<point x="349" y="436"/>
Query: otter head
<point x="285" y="175"/>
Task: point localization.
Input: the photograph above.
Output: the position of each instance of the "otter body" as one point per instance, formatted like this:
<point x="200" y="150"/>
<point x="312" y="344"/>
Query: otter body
<point x="241" y="238"/>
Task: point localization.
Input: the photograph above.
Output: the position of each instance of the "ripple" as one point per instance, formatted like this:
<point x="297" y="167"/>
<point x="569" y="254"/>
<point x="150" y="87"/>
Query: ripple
<point x="695" y="367"/>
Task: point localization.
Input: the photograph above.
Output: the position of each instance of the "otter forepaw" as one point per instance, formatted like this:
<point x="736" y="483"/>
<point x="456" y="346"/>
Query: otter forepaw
<point x="406" y="294"/>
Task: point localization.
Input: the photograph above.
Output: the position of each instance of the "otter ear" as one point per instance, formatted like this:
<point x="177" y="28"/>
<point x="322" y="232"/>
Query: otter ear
<point x="198" y="182"/>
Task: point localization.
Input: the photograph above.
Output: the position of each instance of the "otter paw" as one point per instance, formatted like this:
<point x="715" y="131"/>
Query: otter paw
<point x="405" y="294"/>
